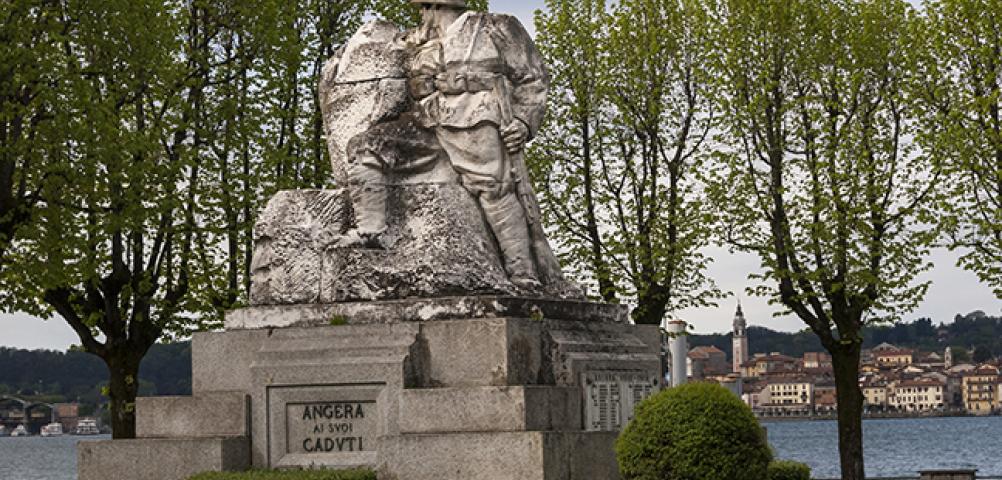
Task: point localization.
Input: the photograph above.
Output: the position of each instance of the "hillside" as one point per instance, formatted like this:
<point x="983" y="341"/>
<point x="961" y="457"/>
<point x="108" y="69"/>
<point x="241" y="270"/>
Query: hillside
<point x="967" y="333"/>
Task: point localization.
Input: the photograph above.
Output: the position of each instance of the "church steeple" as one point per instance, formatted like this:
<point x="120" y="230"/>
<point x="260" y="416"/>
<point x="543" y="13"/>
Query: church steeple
<point x="740" y="325"/>
<point x="739" y="340"/>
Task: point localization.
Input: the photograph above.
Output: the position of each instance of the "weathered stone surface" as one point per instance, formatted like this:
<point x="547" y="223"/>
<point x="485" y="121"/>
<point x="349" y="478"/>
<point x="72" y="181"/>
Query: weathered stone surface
<point x="363" y="85"/>
<point x="423" y="310"/>
<point x="219" y="360"/>
<point x="500" y="456"/>
<point x="289" y="241"/>
<point x="490" y="409"/>
<point x="438" y="245"/>
<point x="160" y="459"/>
<point x="495" y="352"/>
<point x="173" y="417"/>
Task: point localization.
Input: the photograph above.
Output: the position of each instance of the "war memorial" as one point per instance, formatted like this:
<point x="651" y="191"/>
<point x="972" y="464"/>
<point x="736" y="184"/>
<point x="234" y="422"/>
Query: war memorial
<point x="414" y="320"/>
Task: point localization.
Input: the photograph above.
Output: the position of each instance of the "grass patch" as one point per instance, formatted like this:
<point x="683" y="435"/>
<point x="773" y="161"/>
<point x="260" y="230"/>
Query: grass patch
<point x="290" y="475"/>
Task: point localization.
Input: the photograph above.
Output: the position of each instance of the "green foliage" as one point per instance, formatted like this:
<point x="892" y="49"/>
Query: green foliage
<point x="960" y="95"/>
<point x="290" y="475"/>
<point x="697" y="430"/>
<point x="338" y="320"/>
<point x="618" y="163"/>
<point x="788" y="470"/>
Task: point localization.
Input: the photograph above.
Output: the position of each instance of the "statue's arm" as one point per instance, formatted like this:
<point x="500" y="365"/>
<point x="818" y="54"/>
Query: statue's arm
<point x="529" y="77"/>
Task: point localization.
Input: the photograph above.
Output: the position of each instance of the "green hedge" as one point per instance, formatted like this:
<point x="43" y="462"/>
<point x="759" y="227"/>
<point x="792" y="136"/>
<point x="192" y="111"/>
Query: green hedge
<point x="290" y="475"/>
<point x="694" y="431"/>
<point x="789" y="470"/>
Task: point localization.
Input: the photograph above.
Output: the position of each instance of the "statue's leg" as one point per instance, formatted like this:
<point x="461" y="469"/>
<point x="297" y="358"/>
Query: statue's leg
<point x="368" y="198"/>
<point x="507" y="219"/>
<point x="477" y="155"/>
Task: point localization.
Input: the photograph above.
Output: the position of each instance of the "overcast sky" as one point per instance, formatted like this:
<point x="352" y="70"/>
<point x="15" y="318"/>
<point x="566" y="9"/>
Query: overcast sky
<point x="953" y="290"/>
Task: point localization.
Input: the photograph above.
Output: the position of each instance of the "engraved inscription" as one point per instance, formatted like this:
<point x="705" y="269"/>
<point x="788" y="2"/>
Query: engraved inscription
<point x="331" y="427"/>
<point x="612" y="397"/>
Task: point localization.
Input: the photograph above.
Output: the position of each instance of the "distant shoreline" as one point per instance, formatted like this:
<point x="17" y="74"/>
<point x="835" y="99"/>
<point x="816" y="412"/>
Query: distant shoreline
<point x="869" y="416"/>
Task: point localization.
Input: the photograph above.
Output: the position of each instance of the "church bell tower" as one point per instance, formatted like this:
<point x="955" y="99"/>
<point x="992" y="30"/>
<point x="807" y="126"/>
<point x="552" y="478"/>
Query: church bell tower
<point x="740" y="340"/>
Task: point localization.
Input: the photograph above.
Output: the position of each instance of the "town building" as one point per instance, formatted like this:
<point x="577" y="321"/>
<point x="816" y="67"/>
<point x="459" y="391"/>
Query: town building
<point x="918" y="395"/>
<point x="739" y="342"/>
<point x="705" y="362"/>
<point x="980" y="390"/>
<point x="761" y="365"/>
<point x="896" y="357"/>
<point x="825" y="397"/>
<point x="819" y="360"/>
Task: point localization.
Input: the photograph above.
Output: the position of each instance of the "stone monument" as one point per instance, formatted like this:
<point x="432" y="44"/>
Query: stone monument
<point x="414" y="320"/>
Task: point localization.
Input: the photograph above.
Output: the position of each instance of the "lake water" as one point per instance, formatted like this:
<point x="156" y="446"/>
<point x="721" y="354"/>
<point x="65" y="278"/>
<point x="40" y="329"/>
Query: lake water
<point x="899" y="447"/>
<point x="40" y="458"/>
<point x="893" y="448"/>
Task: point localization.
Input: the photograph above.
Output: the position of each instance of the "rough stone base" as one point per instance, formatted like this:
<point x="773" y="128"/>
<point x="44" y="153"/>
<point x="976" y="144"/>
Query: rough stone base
<point x="160" y="459"/>
<point x="488" y="397"/>
<point x="501" y="456"/>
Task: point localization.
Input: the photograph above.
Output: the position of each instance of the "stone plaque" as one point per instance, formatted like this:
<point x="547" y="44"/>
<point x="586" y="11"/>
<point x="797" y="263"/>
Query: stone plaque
<point x="611" y="397"/>
<point x="331" y="427"/>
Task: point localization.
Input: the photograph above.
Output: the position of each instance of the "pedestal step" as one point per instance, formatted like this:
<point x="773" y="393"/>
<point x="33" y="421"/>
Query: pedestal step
<point x="160" y="459"/>
<point x="500" y="456"/>
<point x="178" y="417"/>
<point x="490" y="409"/>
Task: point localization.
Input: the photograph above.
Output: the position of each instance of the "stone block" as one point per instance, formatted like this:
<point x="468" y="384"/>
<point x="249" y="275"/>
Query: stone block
<point x="218" y="414"/>
<point x="490" y="409"/>
<point x="220" y="360"/>
<point x="160" y="459"/>
<point x="483" y="352"/>
<point x="424" y="310"/>
<point x="500" y="456"/>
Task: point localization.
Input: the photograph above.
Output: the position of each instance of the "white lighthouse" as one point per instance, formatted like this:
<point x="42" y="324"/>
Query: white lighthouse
<point x="739" y="340"/>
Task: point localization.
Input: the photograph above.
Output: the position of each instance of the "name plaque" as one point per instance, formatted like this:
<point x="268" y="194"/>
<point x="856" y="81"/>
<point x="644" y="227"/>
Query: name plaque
<point x="331" y="427"/>
<point x="611" y="397"/>
<point x="336" y="426"/>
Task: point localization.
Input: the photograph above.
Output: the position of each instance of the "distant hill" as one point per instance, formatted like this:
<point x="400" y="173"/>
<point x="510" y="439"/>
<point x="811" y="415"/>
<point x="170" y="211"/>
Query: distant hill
<point x="76" y="375"/>
<point x="967" y="333"/>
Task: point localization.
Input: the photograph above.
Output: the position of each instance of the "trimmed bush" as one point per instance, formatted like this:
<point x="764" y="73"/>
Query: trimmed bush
<point x="694" y="431"/>
<point x="290" y="475"/>
<point x="789" y="470"/>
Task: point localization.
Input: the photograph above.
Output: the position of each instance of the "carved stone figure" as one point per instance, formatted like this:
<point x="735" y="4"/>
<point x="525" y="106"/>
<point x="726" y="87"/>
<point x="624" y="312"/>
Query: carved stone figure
<point x="479" y="87"/>
<point x="425" y="130"/>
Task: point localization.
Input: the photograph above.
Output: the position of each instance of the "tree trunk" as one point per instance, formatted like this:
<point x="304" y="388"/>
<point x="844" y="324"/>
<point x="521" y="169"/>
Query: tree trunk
<point x="850" y="411"/>
<point x="123" y="387"/>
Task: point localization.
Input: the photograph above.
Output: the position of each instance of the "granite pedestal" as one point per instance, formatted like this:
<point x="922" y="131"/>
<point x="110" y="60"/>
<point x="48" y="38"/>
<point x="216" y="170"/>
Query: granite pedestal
<point x="463" y="388"/>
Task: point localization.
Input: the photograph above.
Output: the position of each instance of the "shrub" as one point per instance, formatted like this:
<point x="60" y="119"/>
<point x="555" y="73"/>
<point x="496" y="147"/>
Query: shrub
<point x="290" y="475"/>
<point x="694" y="431"/>
<point x="788" y="470"/>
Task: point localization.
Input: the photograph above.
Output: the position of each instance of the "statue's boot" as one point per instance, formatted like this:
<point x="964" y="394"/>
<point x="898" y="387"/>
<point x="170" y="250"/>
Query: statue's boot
<point x="368" y="198"/>
<point x="507" y="219"/>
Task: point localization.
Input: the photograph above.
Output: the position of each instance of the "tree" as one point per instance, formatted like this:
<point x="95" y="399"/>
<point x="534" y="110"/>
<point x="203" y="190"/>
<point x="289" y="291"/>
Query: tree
<point x="982" y="354"/>
<point x="141" y="228"/>
<point x="30" y="120"/>
<point x="619" y="159"/>
<point x="962" y="92"/>
<point x="821" y="182"/>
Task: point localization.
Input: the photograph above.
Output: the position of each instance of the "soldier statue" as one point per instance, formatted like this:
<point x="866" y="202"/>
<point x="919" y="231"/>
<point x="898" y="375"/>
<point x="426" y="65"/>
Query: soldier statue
<point x="478" y="86"/>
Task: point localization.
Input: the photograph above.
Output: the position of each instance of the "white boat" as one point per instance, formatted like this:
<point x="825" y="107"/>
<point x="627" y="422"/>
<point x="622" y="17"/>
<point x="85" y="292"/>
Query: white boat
<point x="20" y="431"/>
<point x="87" y="426"/>
<point x="52" y="430"/>
<point x="3" y="431"/>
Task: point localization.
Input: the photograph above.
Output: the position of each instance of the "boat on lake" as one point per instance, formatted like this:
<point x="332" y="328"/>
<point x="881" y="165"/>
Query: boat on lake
<point x="3" y="431"/>
<point x="87" y="426"/>
<point x="53" y="429"/>
<point x="20" y="431"/>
